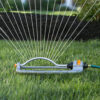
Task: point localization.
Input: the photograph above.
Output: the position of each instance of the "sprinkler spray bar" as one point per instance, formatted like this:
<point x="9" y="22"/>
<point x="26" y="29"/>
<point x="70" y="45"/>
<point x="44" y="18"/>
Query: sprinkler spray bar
<point x="73" y="67"/>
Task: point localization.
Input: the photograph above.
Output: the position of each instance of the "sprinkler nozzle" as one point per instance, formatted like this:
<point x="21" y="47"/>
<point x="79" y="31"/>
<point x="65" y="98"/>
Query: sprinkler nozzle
<point x="15" y="65"/>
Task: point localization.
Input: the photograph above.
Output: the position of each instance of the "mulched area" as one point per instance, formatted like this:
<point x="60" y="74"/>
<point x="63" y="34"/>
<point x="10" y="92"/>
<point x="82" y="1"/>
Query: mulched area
<point x="52" y="30"/>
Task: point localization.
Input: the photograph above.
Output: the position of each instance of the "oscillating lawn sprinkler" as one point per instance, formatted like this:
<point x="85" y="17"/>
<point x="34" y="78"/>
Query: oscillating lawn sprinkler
<point x="73" y="67"/>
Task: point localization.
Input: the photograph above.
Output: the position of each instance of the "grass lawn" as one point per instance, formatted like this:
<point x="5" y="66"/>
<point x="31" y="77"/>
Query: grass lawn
<point x="83" y="86"/>
<point x="66" y="13"/>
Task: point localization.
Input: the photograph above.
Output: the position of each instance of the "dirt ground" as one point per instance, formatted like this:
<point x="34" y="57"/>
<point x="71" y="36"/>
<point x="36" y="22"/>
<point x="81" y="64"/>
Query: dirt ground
<point x="54" y="29"/>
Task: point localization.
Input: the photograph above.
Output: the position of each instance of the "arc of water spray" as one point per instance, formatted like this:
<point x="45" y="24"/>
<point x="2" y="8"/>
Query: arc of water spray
<point x="22" y="24"/>
<point x="40" y="26"/>
<point x="50" y="25"/>
<point x="27" y="26"/>
<point x="36" y="26"/>
<point x="32" y="24"/>
<point x="78" y="34"/>
<point x="59" y="27"/>
<point x="77" y="26"/>
<point x="26" y="50"/>
<point x="68" y="30"/>
<point x="45" y="27"/>
<point x="10" y="41"/>
<point x="66" y="25"/>
<point x="10" y="22"/>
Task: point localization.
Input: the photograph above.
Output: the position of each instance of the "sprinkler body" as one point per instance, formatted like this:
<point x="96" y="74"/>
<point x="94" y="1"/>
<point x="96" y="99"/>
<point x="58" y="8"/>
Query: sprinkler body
<point x="73" y="67"/>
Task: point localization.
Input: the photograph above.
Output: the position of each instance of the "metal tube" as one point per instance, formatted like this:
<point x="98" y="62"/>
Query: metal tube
<point x="43" y="59"/>
<point x="47" y="72"/>
<point x="43" y="67"/>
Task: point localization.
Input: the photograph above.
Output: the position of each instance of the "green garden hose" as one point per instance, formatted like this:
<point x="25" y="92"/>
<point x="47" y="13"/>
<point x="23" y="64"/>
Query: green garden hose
<point x="95" y="66"/>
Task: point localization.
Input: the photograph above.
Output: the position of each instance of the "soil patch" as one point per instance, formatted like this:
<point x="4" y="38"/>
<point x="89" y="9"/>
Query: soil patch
<point x="48" y="27"/>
